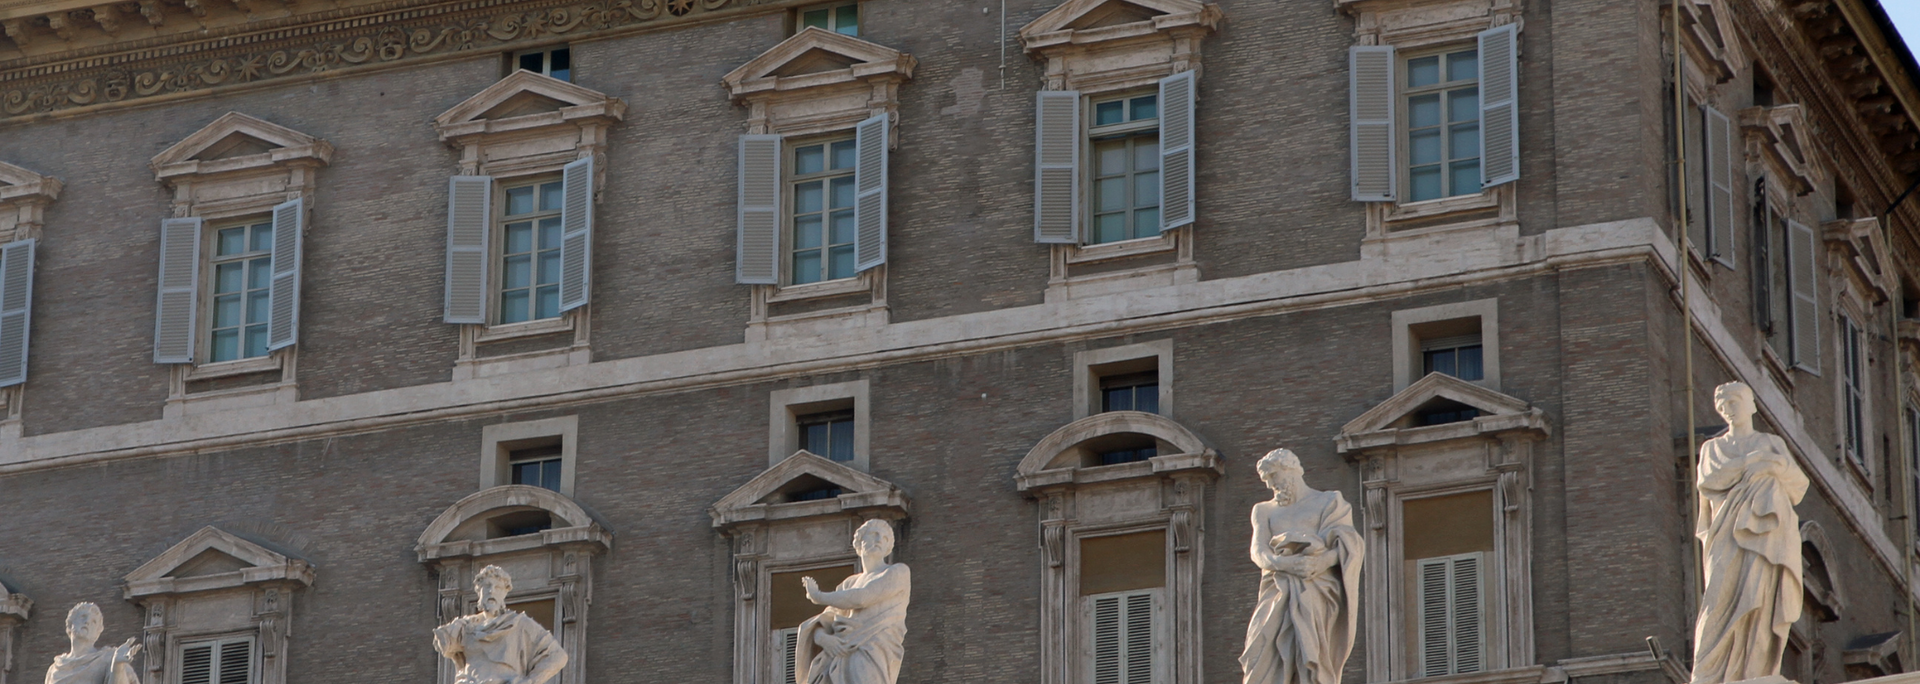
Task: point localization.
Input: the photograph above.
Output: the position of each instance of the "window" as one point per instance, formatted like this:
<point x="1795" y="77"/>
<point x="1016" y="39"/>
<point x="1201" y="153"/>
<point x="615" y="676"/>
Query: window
<point x="1770" y="298"/>
<point x="1136" y="448"/>
<point x="821" y="243"/>
<point x="828" y="434"/>
<point x="1443" y="124"/>
<point x="1458" y="356"/>
<point x="1447" y="539"/>
<point x="1131" y="392"/>
<point x="1125" y="138"/>
<point x="541" y="610"/>
<point x="553" y="61"/>
<point x="217" y="661"/>
<point x="538" y="465"/>
<point x="529" y="284"/>
<point x="831" y="421"/>
<point x="1121" y="578"/>
<point x="842" y="18"/>
<point x="1133" y="377"/>
<point x="538" y="453"/>
<point x="1853" y="392"/>
<point x="1913" y="466"/>
<point x="1461" y="340"/>
<point x="242" y="274"/>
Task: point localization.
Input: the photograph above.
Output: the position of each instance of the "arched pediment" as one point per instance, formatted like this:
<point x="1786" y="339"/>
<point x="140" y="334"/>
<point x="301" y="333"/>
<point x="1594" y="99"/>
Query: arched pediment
<point x="1818" y="578"/>
<point x="236" y="142"/>
<point x="509" y="518"/>
<point x="815" y="57"/>
<point x="525" y="99"/>
<point x="213" y="558"/>
<point x="1058" y="455"/>
<point x="781" y="492"/>
<point x="1408" y="417"/>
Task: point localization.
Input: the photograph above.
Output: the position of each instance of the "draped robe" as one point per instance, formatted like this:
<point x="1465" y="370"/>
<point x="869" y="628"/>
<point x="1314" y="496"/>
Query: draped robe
<point x="496" y="650"/>
<point x="93" y="668"/>
<point x="1302" y="628"/>
<point x="1745" y="520"/>
<point x="873" y="622"/>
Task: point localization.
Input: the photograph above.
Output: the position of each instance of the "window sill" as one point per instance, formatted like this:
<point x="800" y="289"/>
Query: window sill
<point x="227" y="369"/>
<point x="514" y="331"/>
<point x="858" y="284"/>
<point x="1777" y="367"/>
<point x="1086" y="254"/>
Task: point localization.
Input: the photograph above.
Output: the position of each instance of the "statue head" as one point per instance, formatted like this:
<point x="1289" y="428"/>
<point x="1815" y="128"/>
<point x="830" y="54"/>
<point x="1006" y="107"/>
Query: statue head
<point x="1734" y="401"/>
<point x="85" y="622"/>
<point x="874" y="536"/>
<point x="1282" y="472"/>
<point x="493" y="585"/>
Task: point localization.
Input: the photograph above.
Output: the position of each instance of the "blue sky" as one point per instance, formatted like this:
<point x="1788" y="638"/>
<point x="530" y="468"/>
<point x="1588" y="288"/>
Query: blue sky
<point x="1906" y="17"/>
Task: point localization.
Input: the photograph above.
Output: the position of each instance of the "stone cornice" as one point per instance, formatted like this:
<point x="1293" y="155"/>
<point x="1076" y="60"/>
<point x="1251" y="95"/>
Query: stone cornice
<point x="281" y="50"/>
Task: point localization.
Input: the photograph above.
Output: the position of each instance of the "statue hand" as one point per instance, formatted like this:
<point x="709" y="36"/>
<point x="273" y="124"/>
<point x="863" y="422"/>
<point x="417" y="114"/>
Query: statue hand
<point x="812" y="587"/>
<point x="126" y="651"/>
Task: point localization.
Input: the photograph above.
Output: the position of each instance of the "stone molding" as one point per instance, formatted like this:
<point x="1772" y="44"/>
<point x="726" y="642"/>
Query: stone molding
<point x="819" y="81"/>
<point x="865" y="495"/>
<point x="265" y="565"/>
<point x="256" y="599"/>
<point x="1037" y="469"/>
<point x="571" y="525"/>
<point x="1379" y="426"/>
<point x="1861" y="248"/>
<point x="15" y="608"/>
<point x="1087" y="45"/>
<point x="1786" y="145"/>
<point x="1712" y="40"/>
<point x="24" y="195"/>
<point x="291" y="148"/>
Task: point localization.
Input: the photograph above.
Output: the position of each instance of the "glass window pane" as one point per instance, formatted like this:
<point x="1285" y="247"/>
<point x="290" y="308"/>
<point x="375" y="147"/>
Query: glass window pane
<point x="1465" y="177"/>
<point x="1469" y="363"/>
<point x="262" y="237"/>
<point x="1463" y="141"/>
<point x="531" y="62"/>
<point x="1423" y="111"/>
<point x="1118" y="399"/>
<point x="1110" y="194"/>
<point x="1110" y="157"/>
<point x="523" y="473"/>
<point x="513" y="306"/>
<point x="226" y="344"/>
<point x="1147" y="398"/>
<point x="814" y="18"/>
<point x="519" y="238"/>
<point x="232" y="241"/>
<point x="1463" y="105"/>
<point x="256" y="341"/>
<point x="259" y="273"/>
<point x="842" y="192"/>
<point x="1145" y="108"/>
<point x="559" y="62"/>
<point x="1440" y="361"/>
<point x="843" y="154"/>
<point x="809" y="159"/>
<point x="1425" y="182"/>
<point x="806" y="232"/>
<point x="518" y="273"/>
<point x="1110" y="228"/>
<point x="806" y="268"/>
<point x="806" y="197"/>
<point x="550" y="233"/>
<point x="550" y="474"/>
<point x="257" y="307"/>
<point x="1426" y="146"/>
<point x="1146" y="222"/>
<point x="842" y="263"/>
<point x="519" y="200"/>
<point x="1463" y="66"/>
<point x="549" y="271"/>
<point x="550" y="196"/>
<point x="1146" y="189"/>
<point x="226" y="311"/>
<point x="1146" y="154"/>
<point x="840" y="230"/>
<point x="842" y="440"/>
<point x="1424" y="71"/>
<point x="562" y="74"/>
<point x="846" y="19"/>
<point x="1109" y="113"/>
<point x="547" y="305"/>
<point x="229" y="277"/>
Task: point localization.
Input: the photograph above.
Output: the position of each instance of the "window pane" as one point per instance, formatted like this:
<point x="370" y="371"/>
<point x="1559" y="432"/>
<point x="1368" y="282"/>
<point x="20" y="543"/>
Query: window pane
<point x="525" y="473"/>
<point x="226" y="344"/>
<point x="840" y="231"/>
<point x="1426" y="182"/>
<point x="1440" y="361"/>
<point x="262" y="237"/>
<point x="513" y="306"/>
<point x="806" y="269"/>
<point x="518" y="273"/>
<point x="1465" y="177"/>
<point x="260" y="273"/>
<point x="843" y="154"/>
<point x="549" y="271"/>
<point x="1469" y="363"/>
<point x="814" y="18"/>
<point x="1463" y="105"/>
<point x="1111" y="157"/>
<point x="1463" y="141"/>
<point x="550" y="196"/>
<point x="229" y="277"/>
<point x="226" y="311"/>
<point x="809" y="159"/>
<point x="550" y="474"/>
<point x="256" y="341"/>
<point x="842" y="266"/>
<point x="559" y="62"/>
<point x="1118" y="399"/>
<point x="847" y="19"/>
<point x="1110" y="194"/>
<point x="257" y="307"/>
<point x="1146" y="189"/>
<point x="232" y="241"/>
<point x="1424" y="71"/>
<point x="1145" y="108"/>
<point x="1146" y="154"/>
<point x="842" y="192"/>
<point x="806" y="197"/>
<point x="550" y="234"/>
<point x="818" y="439"/>
<point x="1463" y="66"/>
<point x="519" y="238"/>
<point x="1147" y="398"/>
<point x="1146" y="222"/>
<point x="1424" y="111"/>
<point x="519" y="201"/>
<point x="842" y="440"/>
<point x="806" y="232"/>
<point x="531" y="62"/>
<point x="562" y="74"/>
<point x="1109" y="113"/>
<point x="1426" y="146"/>
<point x="547" y="305"/>
<point x="1110" y="228"/>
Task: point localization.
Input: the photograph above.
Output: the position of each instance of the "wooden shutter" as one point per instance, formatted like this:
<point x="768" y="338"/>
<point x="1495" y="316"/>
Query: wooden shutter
<point x="1177" y="94"/>
<point x="1139" y="639"/>
<point x="16" y="310"/>
<point x="870" y="193"/>
<point x="1452" y="614"/>
<point x="228" y="661"/>
<point x="757" y="257"/>
<point x="196" y="664"/>
<point x="1107" y="643"/>
<point x="236" y="662"/>
<point x="1371" y="111"/>
<point x="283" y="294"/>
<point x="1719" y="163"/>
<point x="178" y="301"/>
<point x="1436" y="658"/>
<point x="1469" y="624"/>
<point x="1121" y="627"/>
<point x="469" y="222"/>
<point x="1803" y="279"/>
<point x="784" y="641"/>
<point x="1056" y="176"/>
<point x="576" y="233"/>
<point x="1499" y="99"/>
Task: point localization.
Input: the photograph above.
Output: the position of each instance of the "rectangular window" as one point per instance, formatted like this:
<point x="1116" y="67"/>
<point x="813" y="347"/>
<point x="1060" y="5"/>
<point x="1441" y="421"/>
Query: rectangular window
<point x="552" y="61"/>
<point x="1131" y="392"/>
<point x="529" y="280"/>
<point x="840" y="17"/>
<point x="1124" y="136"/>
<point x="821" y="210"/>
<point x="537" y="465"/>
<point x="1853" y="391"/>
<point x="828" y="435"/>
<point x="1458" y="356"/>
<point x="1442" y="97"/>
<point x="242" y="273"/>
<point x="1120" y="633"/>
<point x="541" y="610"/>
<point x="217" y="661"/>
<point x="1452" y="614"/>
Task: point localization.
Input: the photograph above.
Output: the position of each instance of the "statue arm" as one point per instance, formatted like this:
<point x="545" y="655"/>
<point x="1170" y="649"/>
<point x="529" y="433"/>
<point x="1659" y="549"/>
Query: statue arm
<point x="549" y="658"/>
<point x="891" y="581"/>
<point x="446" y="640"/>
<point x="1262" y="532"/>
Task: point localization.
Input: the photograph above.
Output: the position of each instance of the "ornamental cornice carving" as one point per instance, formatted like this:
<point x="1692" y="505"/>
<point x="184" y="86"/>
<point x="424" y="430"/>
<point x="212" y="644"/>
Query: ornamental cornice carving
<point x="284" y="50"/>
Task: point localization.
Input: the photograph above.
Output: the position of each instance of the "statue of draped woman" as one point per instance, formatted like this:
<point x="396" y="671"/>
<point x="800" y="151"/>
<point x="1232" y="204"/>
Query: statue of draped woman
<point x="85" y="663"/>
<point x="859" y="638"/>
<point x="1309" y="556"/>
<point x="1748" y="484"/>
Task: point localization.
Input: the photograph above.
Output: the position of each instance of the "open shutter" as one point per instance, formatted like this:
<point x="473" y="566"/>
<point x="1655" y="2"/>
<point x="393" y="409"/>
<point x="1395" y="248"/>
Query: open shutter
<point x="757" y="257"/>
<point x="236" y="662"/>
<point x="1436" y="654"/>
<point x="1370" y="102"/>
<point x="1803" y="279"/>
<point x="1499" y="97"/>
<point x="1719" y="163"/>
<point x="870" y="193"/>
<point x="576" y="233"/>
<point x="1176" y="150"/>
<point x="174" y="314"/>
<point x="1106" y="640"/>
<point x="196" y="664"/>
<point x="283" y="295"/>
<point x="1056" y="175"/>
<point x="16" y="310"/>
<point x="469" y="219"/>
<point x="1469" y="627"/>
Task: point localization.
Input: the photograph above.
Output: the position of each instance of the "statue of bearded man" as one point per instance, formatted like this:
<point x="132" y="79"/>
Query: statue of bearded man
<point x="497" y="645"/>
<point x="1309" y="556"/>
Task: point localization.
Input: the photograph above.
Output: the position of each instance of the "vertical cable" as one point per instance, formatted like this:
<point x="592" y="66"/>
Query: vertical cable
<point x="1684" y="272"/>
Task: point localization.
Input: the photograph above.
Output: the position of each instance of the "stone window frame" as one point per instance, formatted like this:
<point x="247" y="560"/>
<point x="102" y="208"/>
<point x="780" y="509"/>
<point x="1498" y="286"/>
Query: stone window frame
<point x="1075" y="501"/>
<point x="1407" y="363"/>
<point x="796" y="19"/>
<point x="24" y="198"/>
<point x="256" y="601"/>
<point x="15" y="609"/>
<point x="498" y="440"/>
<point x="1856" y="258"/>
<point x="1102" y="63"/>
<point x="1492" y="452"/>
<point x="555" y="563"/>
<point x="517" y="148"/>
<point x="785" y="406"/>
<point x="224" y="191"/>
<point x="1087" y="375"/>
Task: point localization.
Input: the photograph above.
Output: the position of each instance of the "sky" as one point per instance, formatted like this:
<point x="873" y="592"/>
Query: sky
<point x="1906" y="18"/>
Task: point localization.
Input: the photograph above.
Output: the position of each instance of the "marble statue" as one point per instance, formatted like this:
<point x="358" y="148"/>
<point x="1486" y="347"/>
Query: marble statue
<point x="85" y="663"/>
<point x="1748" y="485"/>
<point x="497" y="645"/>
<point x="859" y="638"/>
<point x="1309" y="556"/>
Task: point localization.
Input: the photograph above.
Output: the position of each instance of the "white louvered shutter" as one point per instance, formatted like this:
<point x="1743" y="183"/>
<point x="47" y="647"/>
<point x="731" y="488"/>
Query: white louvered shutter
<point x="16" y="310"/>
<point x="870" y="193"/>
<point x="197" y="663"/>
<point x="469" y="221"/>
<point x="1719" y="163"/>
<point x="178" y="300"/>
<point x="1803" y="279"/>
<point x="1469" y="618"/>
<point x="236" y="662"/>
<point x="228" y="661"/>
<point x="757" y="252"/>
<point x="283" y="294"/>
<point x="576" y="233"/>
<point x="1056" y="167"/>
<point x="1121" y="627"/>
<point x="1371" y="139"/>
<point x="784" y="641"/>
<point x="1177" y="94"/>
<point x="1436" y="658"/>
<point x="1499" y="105"/>
<point x="1139" y="639"/>
<point x="1452" y="614"/>
<point x="1107" y="642"/>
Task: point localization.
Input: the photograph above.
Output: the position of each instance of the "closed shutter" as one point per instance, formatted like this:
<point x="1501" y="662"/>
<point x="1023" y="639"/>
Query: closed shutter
<point x="228" y="661"/>
<point x="1121" y="627"/>
<point x="1056" y="176"/>
<point x="1803" y="279"/>
<point x="1719" y="165"/>
<point x="1371" y="102"/>
<point x="576" y="233"/>
<point x="16" y="310"/>
<point x="1452" y="614"/>
<point x="469" y="221"/>
<point x="1177" y="93"/>
<point x="196" y="663"/>
<point x="178" y="301"/>
<point x="1499" y="99"/>
<point x="870" y="193"/>
<point x="784" y="641"/>
<point x="236" y="662"/>
<point x="757" y="257"/>
<point x="283" y="295"/>
<point x="1469" y="623"/>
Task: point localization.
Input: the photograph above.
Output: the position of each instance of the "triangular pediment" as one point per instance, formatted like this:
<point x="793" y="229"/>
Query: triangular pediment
<point x="16" y="182"/>
<point x="806" y="481"/>
<point x="815" y="50"/>
<point x="237" y="136"/>
<point x="1082" y="15"/>
<point x="1436" y="394"/>
<point x="524" y="93"/>
<point x="213" y="558"/>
